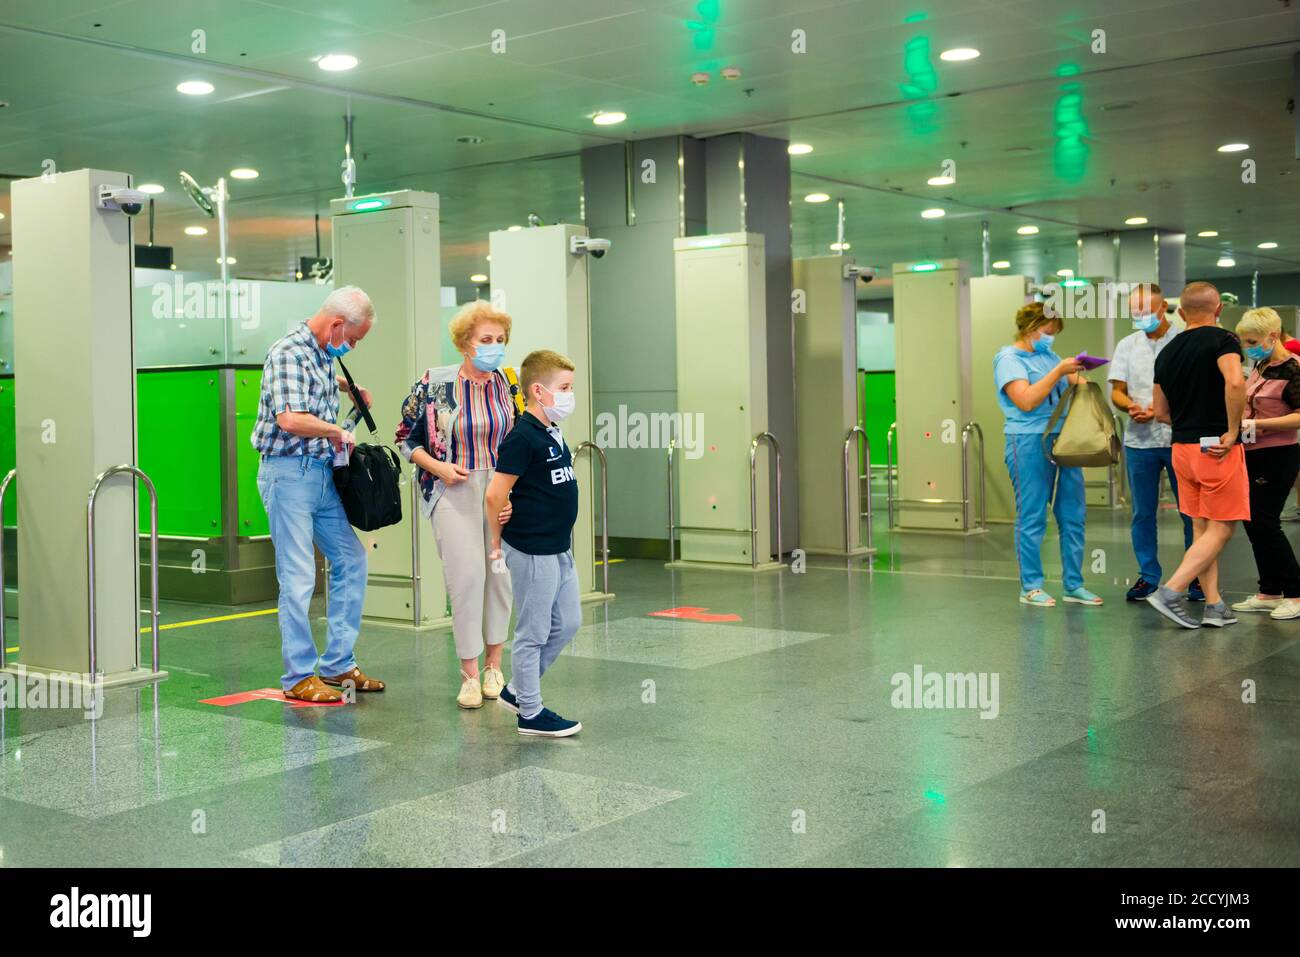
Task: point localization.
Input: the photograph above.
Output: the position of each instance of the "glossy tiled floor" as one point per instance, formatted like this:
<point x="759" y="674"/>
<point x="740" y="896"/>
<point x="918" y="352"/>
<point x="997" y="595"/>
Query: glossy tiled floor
<point x="771" y="740"/>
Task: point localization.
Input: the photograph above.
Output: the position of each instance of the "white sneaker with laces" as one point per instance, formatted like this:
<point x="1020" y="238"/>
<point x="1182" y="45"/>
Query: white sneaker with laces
<point x="493" y="682"/>
<point x="471" y="692"/>
<point x="1287" y="608"/>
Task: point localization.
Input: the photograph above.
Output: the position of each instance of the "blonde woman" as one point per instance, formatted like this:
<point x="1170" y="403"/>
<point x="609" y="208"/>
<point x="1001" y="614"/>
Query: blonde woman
<point x="452" y="426"/>
<point x="1031" y="379"/>
<point x="1272" y="460"/>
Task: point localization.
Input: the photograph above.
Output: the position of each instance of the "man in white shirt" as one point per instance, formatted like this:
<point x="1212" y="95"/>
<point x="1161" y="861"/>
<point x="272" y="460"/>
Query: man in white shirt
<point x="1147" y="449"/>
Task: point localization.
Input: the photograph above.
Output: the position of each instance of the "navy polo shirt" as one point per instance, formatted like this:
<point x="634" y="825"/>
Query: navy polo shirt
<point x="545" y="496"/>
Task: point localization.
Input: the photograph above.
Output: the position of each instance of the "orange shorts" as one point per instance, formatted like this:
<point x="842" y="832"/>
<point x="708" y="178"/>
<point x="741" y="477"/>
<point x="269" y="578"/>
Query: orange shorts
<point x="1217" y="489"/>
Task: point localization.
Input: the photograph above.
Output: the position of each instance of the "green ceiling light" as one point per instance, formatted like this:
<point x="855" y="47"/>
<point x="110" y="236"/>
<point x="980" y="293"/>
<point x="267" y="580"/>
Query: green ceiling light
<point x="704" y="29"/>
<point x="924" y="267"/>
<point x="917" y="17"/>
<point x="1070" y="128"/>
<point x="365" y="205"/>
<point x="1069" y="283"/>
<point x="935" y="797"/>
<point x="1068" y="69"/>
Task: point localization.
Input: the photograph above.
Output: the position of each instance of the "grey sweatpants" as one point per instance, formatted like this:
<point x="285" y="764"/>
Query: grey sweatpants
<point x="548" y="611"/>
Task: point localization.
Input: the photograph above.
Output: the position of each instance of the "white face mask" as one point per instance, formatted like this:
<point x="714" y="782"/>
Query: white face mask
<point x="565" y="402"/>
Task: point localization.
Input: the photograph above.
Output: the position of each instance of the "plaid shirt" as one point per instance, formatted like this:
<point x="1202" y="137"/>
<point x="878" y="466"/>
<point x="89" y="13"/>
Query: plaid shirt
<point x="298" y="376"/>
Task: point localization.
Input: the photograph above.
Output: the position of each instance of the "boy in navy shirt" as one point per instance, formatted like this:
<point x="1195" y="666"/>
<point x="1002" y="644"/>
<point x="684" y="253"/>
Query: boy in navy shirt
<point x="535" y="473"/>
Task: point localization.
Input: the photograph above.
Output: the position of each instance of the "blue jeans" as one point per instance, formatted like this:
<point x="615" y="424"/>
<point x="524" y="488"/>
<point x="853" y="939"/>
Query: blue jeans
<point x="304" y="508"/>
<point x="1032" y="476"/>
<point x="1144" y="467"/>
<point x="548" y="611"/>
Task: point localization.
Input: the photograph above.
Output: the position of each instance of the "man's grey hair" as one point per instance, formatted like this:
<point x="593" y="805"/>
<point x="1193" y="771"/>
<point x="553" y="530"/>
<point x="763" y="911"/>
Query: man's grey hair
<point x="350" y="302"/>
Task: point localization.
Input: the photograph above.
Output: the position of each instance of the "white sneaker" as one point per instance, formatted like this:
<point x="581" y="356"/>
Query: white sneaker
<point x="471" y="692"/>
<point x="493" y="682"/>
<point x="1286" y="608"/>
<point x="1255" y="603"/>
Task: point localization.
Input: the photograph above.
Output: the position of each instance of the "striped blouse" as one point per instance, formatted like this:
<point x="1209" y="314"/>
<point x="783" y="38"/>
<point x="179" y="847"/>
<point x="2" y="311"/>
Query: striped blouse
<point x="486" y="414"/>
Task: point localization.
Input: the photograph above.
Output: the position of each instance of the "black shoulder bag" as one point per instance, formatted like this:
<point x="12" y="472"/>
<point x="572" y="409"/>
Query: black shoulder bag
<point x="368" y="484"/>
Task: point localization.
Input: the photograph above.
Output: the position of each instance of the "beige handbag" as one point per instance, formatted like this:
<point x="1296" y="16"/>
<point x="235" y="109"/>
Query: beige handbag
<point x="1088" y="433"/>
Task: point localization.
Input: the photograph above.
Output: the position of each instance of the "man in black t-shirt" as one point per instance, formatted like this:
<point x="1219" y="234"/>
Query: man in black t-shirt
<point x="535" y="471"/>
<point x="1201" y="392"/>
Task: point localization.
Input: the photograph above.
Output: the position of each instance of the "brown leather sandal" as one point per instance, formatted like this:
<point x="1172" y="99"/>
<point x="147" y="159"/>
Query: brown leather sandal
<point x="311" y="689"/>
<point x="361" y="681"/>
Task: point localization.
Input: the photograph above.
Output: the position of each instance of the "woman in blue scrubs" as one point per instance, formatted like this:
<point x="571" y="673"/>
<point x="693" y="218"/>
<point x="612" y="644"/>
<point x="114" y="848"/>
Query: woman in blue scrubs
<point x="1031" y="379"/>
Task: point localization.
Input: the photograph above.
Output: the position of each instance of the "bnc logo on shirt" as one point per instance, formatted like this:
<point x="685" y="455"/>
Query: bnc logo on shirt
<point x="73" y="910"/>
<point x="947" y="690"/>
<point x="562" y="475"/>
<point x="242" y="300"/>
<point x="651" y="430"/>
<point x="57" y="690"/>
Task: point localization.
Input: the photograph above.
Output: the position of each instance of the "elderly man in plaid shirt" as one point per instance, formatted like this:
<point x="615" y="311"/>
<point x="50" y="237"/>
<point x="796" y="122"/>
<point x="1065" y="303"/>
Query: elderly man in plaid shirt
<point x="297" y="432"/>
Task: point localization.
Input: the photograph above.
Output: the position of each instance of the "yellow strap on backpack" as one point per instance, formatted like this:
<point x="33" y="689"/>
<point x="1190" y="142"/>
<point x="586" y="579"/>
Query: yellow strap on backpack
<point x="516" y="393"/>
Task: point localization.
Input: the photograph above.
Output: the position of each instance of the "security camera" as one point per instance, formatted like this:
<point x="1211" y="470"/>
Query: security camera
<point x="587" y="244"/>
<point x="129" y="201"/>
<point x="864" y="273"/>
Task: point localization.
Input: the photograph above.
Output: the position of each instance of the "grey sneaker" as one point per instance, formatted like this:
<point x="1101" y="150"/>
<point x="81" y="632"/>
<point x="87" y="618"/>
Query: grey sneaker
<point x="1291" y="515"/>
<point x="1218" y="616"/>
<point x="1173" y="605"/>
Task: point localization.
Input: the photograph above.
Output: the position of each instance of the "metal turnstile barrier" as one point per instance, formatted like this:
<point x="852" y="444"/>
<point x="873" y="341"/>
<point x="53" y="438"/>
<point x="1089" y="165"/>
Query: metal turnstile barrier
<point x="673" y="527"/>
<point x="604" y="509"/>
<point x="891" y="477"/>
<point x="415" y="548"/>
<point x="1117" y="472"/>
<point x="153" y="562"/>
<point x="860" y="434"/>
<point x="4" y="488"/>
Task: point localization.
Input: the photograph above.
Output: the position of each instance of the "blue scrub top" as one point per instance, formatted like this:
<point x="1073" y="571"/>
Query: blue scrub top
<point x="1012" y="363"/>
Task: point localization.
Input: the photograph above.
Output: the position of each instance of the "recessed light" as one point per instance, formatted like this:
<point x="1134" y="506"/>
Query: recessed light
<point x="230" y="260"/>
<point x="957" y="54"/>
<point x="940" y="181"/>
<point x="840" y="247"/>
<point x="513" y="229"/>
<point x="1028" y="230"/>
<point x="1135" y="221"/>
<point x="488" y="258"/>
<point x="195" y="87"/>
<point x="151" y="188"/>
<point x="1002" y="264"/>
<point x="1267" y="246"/>
<point x="2" y="215"/>
<point x="933" y="213"/>
<point x="1065" y="272"/>
<point x="196" y="231"/>
<point x="816" y="198"/>
<point x="244" y="172"/>
<point x="478" y="277"/>
<point x="799" y="149"/>
<point x="1226" y="262"/>
<point x="1233" y="147"/>
<point x="608" y="119"/>
<point x="1207" y="233"/>
<point x="337" y="62"/>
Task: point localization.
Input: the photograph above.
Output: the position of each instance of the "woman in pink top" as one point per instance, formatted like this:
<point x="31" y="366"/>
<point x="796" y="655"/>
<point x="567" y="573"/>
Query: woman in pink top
<point x="1268" y="434"/>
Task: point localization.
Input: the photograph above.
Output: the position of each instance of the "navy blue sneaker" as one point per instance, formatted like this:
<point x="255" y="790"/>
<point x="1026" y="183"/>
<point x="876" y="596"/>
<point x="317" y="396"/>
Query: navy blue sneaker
<point x="1194" y="592"/>
<point x="1141" y="588"/>
<point x="508" y="701"/>
<point x="548" y="724"/>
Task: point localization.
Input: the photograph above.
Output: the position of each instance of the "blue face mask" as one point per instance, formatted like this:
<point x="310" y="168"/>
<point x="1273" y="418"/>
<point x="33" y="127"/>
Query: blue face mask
<point x="487" y="356"/>
<point x="1044" y="342"/>
<point x="1259" y="353"/>
<point x="338" y="352"/>
<point x="1148" y="323"/>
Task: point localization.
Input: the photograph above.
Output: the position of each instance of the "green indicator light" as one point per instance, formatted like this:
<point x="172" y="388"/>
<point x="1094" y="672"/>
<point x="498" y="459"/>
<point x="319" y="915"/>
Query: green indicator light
<point x="916" y="17"/>
<point x="925" y="267"/>
<point x="362" y="205"/>
<point x="935" y="796"/>
<point x="1074" y="282"/>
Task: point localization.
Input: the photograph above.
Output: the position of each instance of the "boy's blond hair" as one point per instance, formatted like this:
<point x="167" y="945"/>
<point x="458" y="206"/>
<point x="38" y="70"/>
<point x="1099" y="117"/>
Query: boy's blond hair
<point x="539" y="366"/>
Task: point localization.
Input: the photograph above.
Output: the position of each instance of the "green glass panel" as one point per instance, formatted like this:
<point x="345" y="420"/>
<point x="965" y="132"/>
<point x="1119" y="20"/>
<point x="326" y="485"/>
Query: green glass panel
<point x="178" y="416"/>
<point x="876" y="410"/>
<point x="248" y="392"/>
<point x="8" y="447"/>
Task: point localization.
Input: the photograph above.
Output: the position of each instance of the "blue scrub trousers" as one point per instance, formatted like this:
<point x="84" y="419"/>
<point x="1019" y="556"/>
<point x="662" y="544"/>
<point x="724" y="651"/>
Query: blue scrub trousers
<point x="1032" y="476"/>
<point x="1144" y="467"/>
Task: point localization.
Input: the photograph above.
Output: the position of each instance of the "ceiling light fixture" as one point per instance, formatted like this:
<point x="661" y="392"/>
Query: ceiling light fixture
<point x="958" y="54"/>
<point x="1065" y="272"/>
<point x="940" y="181"/>
<point x="1267" y="246"/>
<point x="478" y="277"/>
<point x="816" y="198"/>
<point x="244" y="172"/>
<point x="196" y="231"/>
<point x="1002" y="264"/>
<point x="151" y="188"/>
<point x="799" y="149"/>
<point x="1226" y="262"/>
<point x="1233" y="147"/>
<point x="195" y="87"/>
<point x="1208" y="233"/>
<point x="1135" y="221"/>
<point x="933" y="213"/>
<point x="337" y="62"/>
<point x="608" y="119"/>
<point x="1028" y="230"/>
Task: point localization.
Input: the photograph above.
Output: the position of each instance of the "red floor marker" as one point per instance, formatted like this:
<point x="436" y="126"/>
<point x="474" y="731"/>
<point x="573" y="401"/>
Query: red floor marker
<point x="692" y="613"/>
<point x="267" y="694"/>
